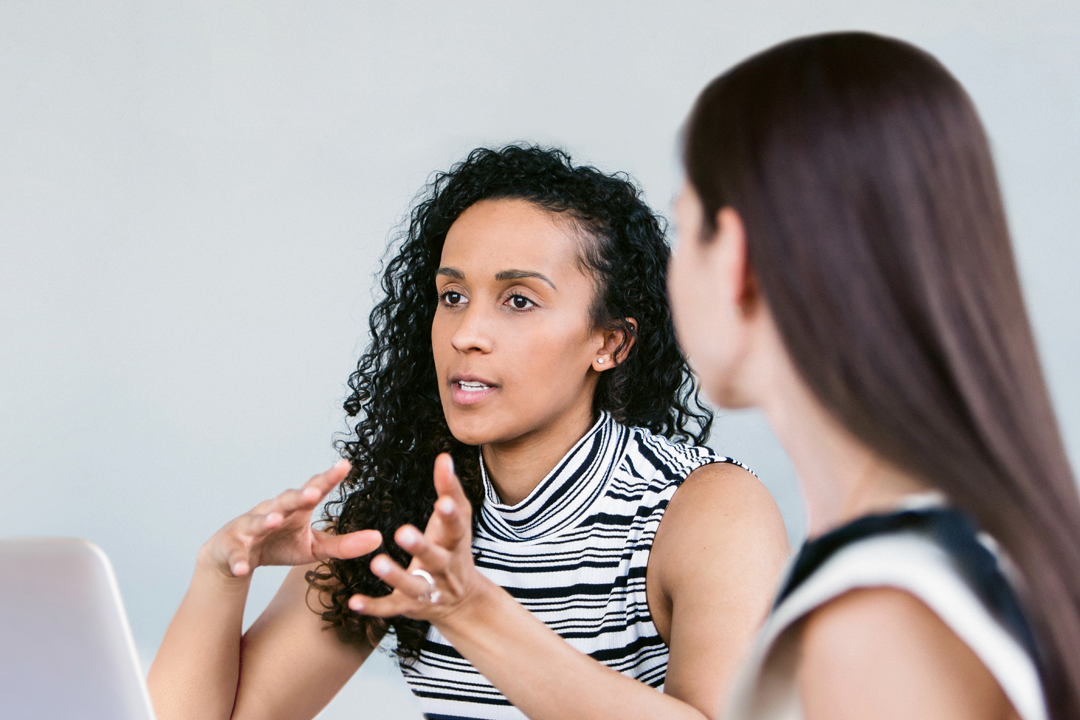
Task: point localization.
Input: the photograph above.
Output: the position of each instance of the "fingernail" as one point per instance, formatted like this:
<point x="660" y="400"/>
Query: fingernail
<point x="381" y="566"/>
<point x="356" y="604"/>
<point x="409" y="536"/>
<point x="341" y="464"/>
<point x="446" y="506"/>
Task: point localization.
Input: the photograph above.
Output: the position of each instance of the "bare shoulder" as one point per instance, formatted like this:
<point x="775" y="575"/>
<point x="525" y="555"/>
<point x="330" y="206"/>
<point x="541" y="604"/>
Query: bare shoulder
<point x="730" y="502"/>
<point x="881" y="652"/>
<point x="724" y="518"/>
<point x="715" y="563"/>
<point x="727" y="480"/>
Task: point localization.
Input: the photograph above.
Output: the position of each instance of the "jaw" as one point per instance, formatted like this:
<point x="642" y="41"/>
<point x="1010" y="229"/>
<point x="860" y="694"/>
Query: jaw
<point x="511" y="422"/>
<point x="478" y="424"/>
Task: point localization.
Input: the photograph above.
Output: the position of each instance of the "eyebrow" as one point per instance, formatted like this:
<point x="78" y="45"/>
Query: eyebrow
<point x="501" y="276"/>
<point x="450" y="273"/>
<point x="521" y="275"/>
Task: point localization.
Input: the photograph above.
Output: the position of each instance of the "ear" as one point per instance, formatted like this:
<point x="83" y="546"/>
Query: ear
<point x="733" y="258"/>
<point x="617" y="344"/>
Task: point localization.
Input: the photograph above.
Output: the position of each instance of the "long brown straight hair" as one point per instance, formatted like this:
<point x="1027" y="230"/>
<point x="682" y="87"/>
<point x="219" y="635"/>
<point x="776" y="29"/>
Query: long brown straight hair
<point x="877" y="231"/>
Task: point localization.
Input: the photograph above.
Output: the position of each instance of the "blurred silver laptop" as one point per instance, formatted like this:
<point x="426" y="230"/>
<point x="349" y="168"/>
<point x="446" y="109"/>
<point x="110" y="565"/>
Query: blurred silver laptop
<point x="65" y="646"/>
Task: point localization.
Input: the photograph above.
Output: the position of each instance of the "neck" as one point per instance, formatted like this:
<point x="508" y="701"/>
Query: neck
<point x="517" y="466"/>
<point x="841" y="477"/>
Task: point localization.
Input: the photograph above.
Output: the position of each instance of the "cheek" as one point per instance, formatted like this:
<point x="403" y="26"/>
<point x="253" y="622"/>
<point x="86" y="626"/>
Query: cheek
<point x="676" y="289"/>
<point x="689" y="300"/>
<point x="555" y="348"/>
<point x="440" y="340"/>
<point x="707" y="336"/>
<point x="545" y="366"/>
<point x="442" y="350"/>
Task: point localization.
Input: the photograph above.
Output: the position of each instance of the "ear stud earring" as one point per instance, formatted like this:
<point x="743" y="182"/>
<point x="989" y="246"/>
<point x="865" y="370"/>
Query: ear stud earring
<point x="600" y="361"/>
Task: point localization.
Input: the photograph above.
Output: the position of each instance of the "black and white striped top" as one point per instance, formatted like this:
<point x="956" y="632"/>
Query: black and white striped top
<point x="574" y="552"/>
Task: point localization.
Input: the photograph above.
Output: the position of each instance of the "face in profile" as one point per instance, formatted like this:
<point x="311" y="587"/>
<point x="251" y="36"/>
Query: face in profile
<point x="703" y="289"/>
<point x="512" y="338"/>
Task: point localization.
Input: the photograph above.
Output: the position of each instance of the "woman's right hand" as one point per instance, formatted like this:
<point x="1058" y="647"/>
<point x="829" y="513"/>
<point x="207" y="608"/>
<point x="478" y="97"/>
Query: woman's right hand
<point x="279" y="532"/>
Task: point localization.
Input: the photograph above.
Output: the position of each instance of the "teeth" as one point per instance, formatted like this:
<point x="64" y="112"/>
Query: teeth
<point x="472" y="386"/>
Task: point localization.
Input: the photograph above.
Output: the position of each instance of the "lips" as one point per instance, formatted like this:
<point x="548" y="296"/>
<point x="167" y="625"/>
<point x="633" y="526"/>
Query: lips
<point x="470" y="389"/>
<point x="473" y="386"/>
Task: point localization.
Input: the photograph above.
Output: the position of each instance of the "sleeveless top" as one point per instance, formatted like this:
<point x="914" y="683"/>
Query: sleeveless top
<point x="936" y="554"/>
<point x="574" y="553"/>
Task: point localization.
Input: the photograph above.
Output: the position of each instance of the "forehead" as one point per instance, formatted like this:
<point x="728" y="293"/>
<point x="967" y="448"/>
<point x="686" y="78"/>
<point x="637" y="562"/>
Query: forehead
<point x="495" y="235"/>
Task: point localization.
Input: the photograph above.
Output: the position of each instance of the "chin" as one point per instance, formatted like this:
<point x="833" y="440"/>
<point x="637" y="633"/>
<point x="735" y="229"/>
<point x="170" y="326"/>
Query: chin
<point x="471" y="438"/>
<point x="472" y="430"/>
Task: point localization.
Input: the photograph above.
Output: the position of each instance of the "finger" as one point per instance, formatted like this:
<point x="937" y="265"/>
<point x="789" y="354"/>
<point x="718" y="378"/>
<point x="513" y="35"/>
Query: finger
<point x="289" y="501"/>
<point x="398" y="578"/>
<point x="433" y="557"/>
<point x="239" y="561"/>
<point x="345" y="547"/>
<point x="451" y="521"/>
<point x="255" y="524"/>
<point x="447" y="483"/>
<point x="306" y="497"/>
<point x="448" y="526"/>
<point x="327" y="481"/>
<point x="384" y="607"/>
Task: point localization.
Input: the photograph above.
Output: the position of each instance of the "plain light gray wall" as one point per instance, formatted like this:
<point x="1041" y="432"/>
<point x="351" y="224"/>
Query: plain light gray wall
<point x="194" y="197"/>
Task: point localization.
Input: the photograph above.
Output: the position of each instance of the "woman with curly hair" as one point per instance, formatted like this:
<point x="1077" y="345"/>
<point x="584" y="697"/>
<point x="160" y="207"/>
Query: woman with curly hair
<point x="842" y="231"/>
<point x="580" y="546"/>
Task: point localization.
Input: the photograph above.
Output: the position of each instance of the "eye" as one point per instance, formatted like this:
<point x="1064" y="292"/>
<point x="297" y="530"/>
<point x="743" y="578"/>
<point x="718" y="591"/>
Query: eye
<point x="451" y="298"/>
<point x="520" y="302"/>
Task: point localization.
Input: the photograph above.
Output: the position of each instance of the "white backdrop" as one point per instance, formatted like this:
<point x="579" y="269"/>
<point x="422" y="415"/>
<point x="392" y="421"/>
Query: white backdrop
<point x="194" y="197"/>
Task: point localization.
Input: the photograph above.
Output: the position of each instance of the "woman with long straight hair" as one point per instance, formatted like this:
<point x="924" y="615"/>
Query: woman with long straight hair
<point x="844" y="263"/>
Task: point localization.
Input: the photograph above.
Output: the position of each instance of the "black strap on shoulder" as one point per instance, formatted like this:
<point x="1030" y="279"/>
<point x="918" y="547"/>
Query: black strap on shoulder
<point x="956" y="533"/>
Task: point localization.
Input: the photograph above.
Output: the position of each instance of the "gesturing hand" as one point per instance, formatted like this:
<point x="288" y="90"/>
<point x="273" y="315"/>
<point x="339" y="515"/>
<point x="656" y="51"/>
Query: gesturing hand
<point x="279" y="532"/>
<point x="442" y="552"/>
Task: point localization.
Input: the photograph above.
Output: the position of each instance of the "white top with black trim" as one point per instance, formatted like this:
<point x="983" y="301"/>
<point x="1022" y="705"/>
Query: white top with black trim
<point x="931" y="551"/>
<point x="574" y="552"/>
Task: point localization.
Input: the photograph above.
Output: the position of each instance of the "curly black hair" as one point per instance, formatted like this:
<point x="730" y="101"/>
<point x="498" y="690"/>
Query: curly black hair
<point x="395" y="391"/>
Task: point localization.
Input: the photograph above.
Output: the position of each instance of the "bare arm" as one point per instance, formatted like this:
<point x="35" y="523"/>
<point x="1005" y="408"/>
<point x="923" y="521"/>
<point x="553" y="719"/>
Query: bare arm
<point x="197" y="666"/>
<point x="882" y="653"/>
<point x="197" y="670"/>
<point x="292" y="664"/>
<point x="713" y="573"/>
<point x="544" y="676"/>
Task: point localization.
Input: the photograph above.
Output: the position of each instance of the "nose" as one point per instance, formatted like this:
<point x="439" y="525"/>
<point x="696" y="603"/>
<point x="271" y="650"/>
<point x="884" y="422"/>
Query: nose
<point x="473" y="332"/>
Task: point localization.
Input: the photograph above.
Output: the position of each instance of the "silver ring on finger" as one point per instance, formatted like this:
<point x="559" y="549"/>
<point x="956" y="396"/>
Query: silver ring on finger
<point x="432" y="595"/>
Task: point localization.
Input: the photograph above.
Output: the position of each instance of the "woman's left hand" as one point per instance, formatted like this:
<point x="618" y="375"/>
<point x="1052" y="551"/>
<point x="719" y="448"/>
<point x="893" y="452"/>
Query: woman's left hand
<point x="442" y="552"/>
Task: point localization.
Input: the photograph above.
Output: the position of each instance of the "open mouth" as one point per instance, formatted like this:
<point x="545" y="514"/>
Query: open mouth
<point x="473" y="387"/>
<point x="469" y="390"/>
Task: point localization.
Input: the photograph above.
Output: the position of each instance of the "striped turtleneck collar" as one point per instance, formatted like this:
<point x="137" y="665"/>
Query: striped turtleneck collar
<point x="565" y="494"/>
